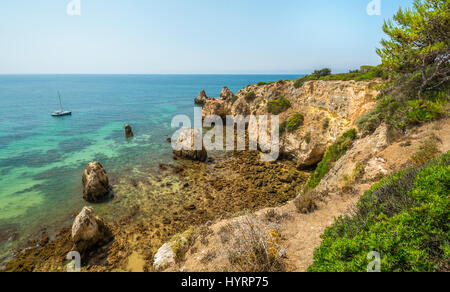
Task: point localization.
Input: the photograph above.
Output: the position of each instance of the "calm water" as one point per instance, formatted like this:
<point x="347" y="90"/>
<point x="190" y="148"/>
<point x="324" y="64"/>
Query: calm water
<point x="42" y="158"/>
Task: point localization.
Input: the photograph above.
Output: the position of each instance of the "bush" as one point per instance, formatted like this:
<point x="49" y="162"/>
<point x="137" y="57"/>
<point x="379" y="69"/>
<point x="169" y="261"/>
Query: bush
<point x="322" y="73"/>
<point x="334" y="152"/>
<point x="234" y="99"/>
<point x="250" y="96"/>
<point x="403" y="217"/>
<point x="427" y="151"/>
<point x="278" y="106"/>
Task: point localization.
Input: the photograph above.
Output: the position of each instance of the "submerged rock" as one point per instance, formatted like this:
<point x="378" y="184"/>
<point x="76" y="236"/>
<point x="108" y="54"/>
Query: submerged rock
<point x="95" y="183"/>
<point x="185" y="145"/>
<point x="89" y="231"/>
<point x="128" y="131"/>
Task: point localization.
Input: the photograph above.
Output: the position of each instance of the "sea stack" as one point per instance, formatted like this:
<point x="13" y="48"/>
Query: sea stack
<point x="89" y="231"/>
<point x="185" y="145"/>
<point x="128" y="131"/>
<point x="95" y="183"/>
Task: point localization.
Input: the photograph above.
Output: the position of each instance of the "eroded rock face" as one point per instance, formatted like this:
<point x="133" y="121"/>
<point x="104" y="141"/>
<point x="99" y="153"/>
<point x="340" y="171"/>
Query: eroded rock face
<point x="330" y="108"/>
<point x="202" y="98"/>
<point x="185" y="145"/>
<point x="96" y="186"/>
<point x="89" y="231"/>
<point x="128" y="131"/>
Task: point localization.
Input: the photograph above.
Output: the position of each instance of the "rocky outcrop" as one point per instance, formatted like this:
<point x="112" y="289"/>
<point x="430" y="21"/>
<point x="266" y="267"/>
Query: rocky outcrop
<point x="189" y="145"/>
<point x="164" y="258"/>
<point x="128" y="131"/>
<point x="226" y="94"/>
<point x="89" y="231"/>
<point x="96" y="186"/>
<point x="330" y="108"/>
<point x="202" y="98"/>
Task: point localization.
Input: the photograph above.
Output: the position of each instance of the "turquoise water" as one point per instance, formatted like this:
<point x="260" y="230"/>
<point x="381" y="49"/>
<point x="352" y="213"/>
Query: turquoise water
<point x="42" y="157"/>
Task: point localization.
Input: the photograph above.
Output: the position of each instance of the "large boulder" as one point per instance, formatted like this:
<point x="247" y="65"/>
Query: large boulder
<point x="202" y="98"/>
<point x="96" y="186"/>
<point x="185" y="145"/>
<point x="128" y="131"/>
<point x="89" y="231"/>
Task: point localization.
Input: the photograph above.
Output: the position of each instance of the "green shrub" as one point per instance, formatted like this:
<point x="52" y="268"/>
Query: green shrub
<point x="322" y="73"/>
<point x="278" y="106"/>
<point x="250" y="96"/>
<point x="403" y="217"/>
<point x="300" y="81"/>
<point x="334" y="152"/>
<point x="234" y="99"/>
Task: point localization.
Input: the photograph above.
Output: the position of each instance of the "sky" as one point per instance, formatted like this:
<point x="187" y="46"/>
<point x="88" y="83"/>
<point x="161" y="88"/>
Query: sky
<point x="189" y="36"/>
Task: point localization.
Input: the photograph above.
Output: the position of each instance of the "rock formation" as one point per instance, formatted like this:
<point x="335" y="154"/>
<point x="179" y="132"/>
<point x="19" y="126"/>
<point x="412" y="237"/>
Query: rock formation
<point x="89" y="231"/>
<point x="96" y="186"/>
<point x="330" y="108"/>
<point x="185" y="146"/>
<point x="128" y="131"/>
<point x="226" y="94"/>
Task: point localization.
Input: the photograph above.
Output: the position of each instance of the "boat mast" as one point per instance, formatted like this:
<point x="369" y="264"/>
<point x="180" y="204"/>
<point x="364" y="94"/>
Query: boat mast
<point x="60" y="104"/>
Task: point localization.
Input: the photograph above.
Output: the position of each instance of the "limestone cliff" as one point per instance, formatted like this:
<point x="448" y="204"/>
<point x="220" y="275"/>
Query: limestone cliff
<point x="329" y="109"/>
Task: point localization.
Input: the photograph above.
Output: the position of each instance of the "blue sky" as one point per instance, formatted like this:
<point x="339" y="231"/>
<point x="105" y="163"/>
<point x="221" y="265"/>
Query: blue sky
<point x="189" y="36"/>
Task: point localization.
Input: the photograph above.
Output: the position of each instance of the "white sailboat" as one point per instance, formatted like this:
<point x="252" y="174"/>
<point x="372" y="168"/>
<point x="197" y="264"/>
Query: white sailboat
<point x="61" y="112"/>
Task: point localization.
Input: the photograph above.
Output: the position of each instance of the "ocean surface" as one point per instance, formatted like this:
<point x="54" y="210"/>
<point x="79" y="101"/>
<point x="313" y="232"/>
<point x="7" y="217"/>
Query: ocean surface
<point x="42" y="157"/>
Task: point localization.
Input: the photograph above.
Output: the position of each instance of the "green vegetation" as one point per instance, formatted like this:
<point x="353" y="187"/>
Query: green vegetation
<point x="322" y="73"/>
<point x="404" y="217"/>
<point x="293" y="123"/>
<point x="326" y="124"/>
<point x="234" y="99"/>
<point x="334" y="152"/>
<point x="416" y="55"/>
<point x="401" y="115"/>
<point x="279" y="105"/>
<point x="427" y="151"/>
<point x="250" y="96"/>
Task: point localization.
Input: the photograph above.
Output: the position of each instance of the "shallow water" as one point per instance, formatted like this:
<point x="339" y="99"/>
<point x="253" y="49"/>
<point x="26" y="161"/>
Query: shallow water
<point x="42" y="157"/>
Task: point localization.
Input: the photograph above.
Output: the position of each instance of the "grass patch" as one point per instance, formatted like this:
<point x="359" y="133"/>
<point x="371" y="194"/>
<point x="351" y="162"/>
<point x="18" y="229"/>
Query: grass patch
<point x="276" y="107"/>
<point x="404" y="217"/>
<point x="334" y="152"/>
<point x="292" y="124"/>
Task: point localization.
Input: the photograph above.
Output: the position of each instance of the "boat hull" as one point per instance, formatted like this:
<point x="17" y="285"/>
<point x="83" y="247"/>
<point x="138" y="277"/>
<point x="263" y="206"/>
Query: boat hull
<point x="61" y="114"/>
